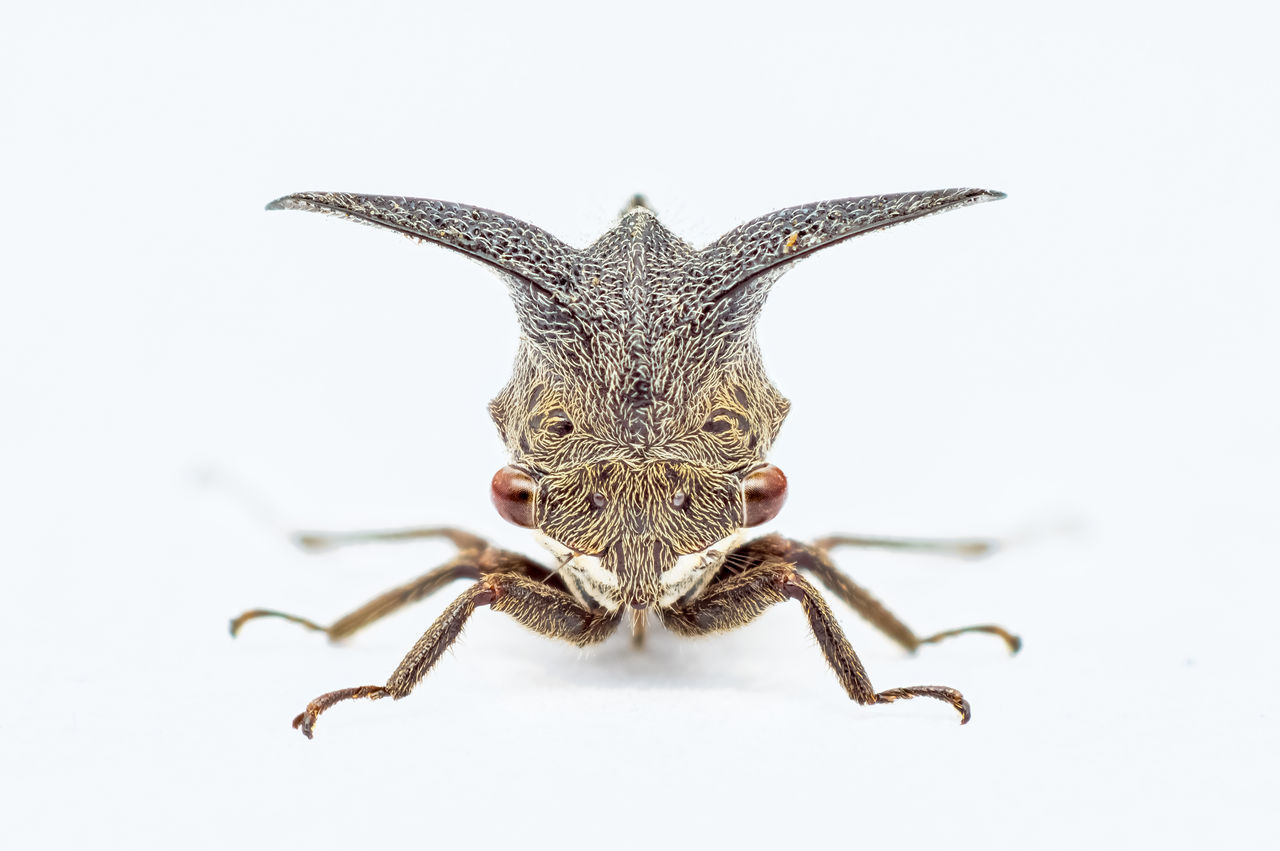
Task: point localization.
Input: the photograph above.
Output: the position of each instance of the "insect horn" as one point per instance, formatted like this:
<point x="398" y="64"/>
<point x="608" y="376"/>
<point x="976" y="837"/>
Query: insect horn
<point x="744" y="263"/>
<point x="534" y="263"/>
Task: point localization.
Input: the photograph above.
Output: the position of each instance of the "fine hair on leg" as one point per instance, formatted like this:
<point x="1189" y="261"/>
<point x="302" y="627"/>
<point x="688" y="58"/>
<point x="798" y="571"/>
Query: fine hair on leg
<point x="816" y="561"/>
<point x="535" y="602"/>
<point x="736" y="599"/>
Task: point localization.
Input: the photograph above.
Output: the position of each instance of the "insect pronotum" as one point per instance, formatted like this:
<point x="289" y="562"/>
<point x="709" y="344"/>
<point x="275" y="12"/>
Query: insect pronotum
<point x="638" y="419"/>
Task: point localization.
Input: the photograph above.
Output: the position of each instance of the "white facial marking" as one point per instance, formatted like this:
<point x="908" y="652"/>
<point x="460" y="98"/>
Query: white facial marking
<point x="592" y="585"/>
<point x="695" y="570"/>
<point x="585" y="576"/>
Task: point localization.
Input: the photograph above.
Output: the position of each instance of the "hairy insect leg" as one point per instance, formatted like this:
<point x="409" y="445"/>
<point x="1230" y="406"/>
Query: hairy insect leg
<point x="739" y="598"/>
<point x="471" y="563"/>
<point x="959" y="547"/>
<point x="315" y="541"/>
<point x="816" y="560"/>
<point x="461" y="567"/>
<point x="538" y="605"/>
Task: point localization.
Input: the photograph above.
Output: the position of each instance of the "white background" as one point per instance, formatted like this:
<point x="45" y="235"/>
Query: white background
<point x="1085" y="368"/>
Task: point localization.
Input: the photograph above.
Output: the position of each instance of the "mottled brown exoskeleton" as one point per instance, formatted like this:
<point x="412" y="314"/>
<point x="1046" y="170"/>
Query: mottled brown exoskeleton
<point x="638" y="419"/>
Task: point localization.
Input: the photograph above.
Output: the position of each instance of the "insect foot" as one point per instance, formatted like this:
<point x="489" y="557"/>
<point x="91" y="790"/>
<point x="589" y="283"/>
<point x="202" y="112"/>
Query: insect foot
<point x="950" y="695"/>
<point x="637" y="422"/>
<point x="306" y="721"/>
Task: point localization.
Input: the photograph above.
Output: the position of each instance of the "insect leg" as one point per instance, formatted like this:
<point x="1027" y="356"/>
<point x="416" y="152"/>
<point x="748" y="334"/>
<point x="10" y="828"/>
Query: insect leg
<point x="815" y="560"/>
<point x="471" y="563"/>
<point x="538" y="605"/>
<point x="739" y="598"/>
<point x="461" y="567"/>
<point x="961" y="547"/>
<point x="314" y="541"/>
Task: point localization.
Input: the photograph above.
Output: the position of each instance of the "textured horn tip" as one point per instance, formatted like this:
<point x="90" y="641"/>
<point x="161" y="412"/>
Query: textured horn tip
<point x="280" y="203"/>
<point x="991" y="195"/>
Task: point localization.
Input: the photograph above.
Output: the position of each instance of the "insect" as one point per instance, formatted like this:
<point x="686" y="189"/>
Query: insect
<point x="638" y="418"/>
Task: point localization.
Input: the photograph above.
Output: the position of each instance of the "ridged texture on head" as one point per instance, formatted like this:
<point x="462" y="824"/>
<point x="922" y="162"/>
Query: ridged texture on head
<point x="639" y="333"/>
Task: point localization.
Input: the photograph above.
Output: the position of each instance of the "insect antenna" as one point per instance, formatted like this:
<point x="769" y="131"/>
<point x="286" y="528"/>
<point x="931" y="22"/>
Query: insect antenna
<point x="563" y="563"/>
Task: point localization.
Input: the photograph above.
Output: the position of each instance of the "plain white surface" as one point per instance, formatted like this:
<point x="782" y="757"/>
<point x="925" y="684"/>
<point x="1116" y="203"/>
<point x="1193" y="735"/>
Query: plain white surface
<point x="1087" y="367"/>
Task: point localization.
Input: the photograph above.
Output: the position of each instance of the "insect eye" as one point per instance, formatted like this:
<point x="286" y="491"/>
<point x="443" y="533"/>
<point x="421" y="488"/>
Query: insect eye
<point x="512" y="493"/>
<point x="598" y="500"/>
<point x="764" y="491"/>
<point x="679" y="500"/>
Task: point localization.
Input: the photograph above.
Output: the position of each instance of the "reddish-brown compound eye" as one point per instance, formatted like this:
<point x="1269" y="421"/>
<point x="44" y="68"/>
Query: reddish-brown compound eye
<point x="512" y="493"/>
<point x="764" y="491"/>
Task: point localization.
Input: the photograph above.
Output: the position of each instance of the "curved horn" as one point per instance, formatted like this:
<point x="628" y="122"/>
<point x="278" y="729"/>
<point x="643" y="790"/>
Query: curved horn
<point x="764" y="248"/>
<point x="508" y="245"/>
